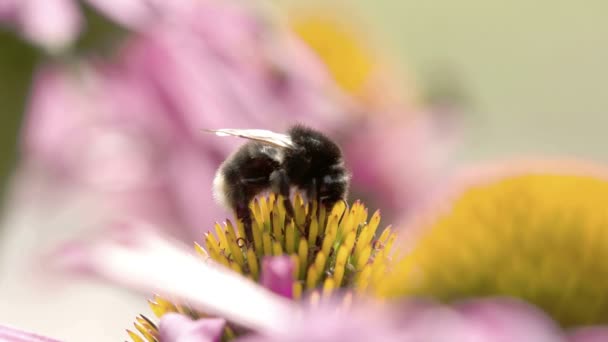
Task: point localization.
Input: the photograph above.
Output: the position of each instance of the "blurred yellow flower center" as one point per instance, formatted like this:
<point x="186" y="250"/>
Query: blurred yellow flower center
<point x="331" y="249"/>
<point x="348" y="60"/>
<point x="539" y="237"/>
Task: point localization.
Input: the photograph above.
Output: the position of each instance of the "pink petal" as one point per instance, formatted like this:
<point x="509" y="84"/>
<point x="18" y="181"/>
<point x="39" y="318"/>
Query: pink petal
<point x="53" y="113"/>
<point x="505" y="320"/>
<point x="8" y="334"/>
<point x="486" y="320"/>
<point x="129" y="13"/>
<point x="136" y="14"/>
<point x="189" y="175"/>
<point x="328" y="323"/>
<point x="137" y="257"/>
<point x="50" y="23"/>
<point x="8" y="10"/>
<point x="179" y="328"/>
<point x="405" y="177"/>
<point x="589" y="334"/>
<point x="277" y="275"/>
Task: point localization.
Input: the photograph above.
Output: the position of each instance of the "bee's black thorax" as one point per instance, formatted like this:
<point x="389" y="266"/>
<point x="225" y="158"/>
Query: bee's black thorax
<point x="315" y="165"/>
<point x="312" y="163"/>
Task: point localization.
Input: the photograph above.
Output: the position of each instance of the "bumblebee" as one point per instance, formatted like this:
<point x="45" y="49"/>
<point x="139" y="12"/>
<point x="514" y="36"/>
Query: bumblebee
<point x="304" y="159"/>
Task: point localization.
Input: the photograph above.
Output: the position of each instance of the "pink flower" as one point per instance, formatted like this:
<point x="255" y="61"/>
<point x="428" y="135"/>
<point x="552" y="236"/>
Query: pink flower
<point x="129" y="131"/>
<point x="55" y="24"/>
<point x="140" y="259"/>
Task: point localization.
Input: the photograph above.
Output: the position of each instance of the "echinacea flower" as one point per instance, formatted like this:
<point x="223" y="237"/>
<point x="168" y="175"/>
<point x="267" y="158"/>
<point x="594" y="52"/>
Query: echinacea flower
<point x="535" y="233"/>
<point x="315" y="253"/>
<point x="338" y="248"/>
<point x="140" y="259"/>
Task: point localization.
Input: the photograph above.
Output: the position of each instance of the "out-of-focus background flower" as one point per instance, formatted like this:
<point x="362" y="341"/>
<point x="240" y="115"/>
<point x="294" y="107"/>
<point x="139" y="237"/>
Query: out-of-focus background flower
<point x="103" y="104"/>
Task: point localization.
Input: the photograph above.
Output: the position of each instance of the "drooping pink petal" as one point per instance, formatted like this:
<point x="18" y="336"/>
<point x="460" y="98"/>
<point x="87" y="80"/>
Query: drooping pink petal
<point x="490" y="319"/>
<point x="8" y="334"/>
<point x="404" y="177"/>
<point x="484" y="320"/>
<point x="277" y="275"/>
<point x="129" y="13"/>
<point x="174" y="327"/>
<point x="137" y="14"/>
<point x="8" y="10"/>
<point x="136" y="257"/>
<point x="506" y="320"/>
<point x="589" y="334"/>
<point x="328" y="322"/>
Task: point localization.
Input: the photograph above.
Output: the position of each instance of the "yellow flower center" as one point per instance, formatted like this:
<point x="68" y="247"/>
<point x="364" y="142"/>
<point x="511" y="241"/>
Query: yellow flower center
<point x="348" y="59"/>
<point x="332" y="249"/>
<point x="539" y="237"/>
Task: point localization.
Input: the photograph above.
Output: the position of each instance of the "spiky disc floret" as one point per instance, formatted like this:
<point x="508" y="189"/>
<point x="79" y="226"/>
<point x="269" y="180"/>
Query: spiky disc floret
<point x="335" y="249"/>
<point x="332" y="249"/>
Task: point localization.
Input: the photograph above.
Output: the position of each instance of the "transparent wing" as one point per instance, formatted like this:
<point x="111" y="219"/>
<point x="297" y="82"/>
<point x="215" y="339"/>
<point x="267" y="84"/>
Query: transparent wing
<point x="261" y="135"/>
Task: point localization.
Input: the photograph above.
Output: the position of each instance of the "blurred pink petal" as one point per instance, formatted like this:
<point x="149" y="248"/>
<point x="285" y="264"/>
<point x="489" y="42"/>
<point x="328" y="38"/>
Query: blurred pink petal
<point x="496" y="321"/>
<point x="398" y="163"/>
<point x="8" y="9"/>
<point x="327" y="323"/>
<point x="589" y="334"/>
<point x="277" y="275"/>
<point x="136" y="14"/>
<point x="8" y="334"/>
<point x="178" y="328"/>
<point x="55" y="24"/>
<point x="129" y="13"/>
<point x="130" y="129"/>
<point x="136" y="257"/>
<point x="505" y="320"/>
<point x="50" y="23"/>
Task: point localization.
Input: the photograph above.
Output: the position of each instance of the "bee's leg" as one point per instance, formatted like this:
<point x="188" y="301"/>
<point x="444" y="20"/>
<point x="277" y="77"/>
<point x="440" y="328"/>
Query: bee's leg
<point x="243" y="213"/>
<point x="279" y="183"/>
<point x="313" y="200"/>
<point x="240" y="202"/>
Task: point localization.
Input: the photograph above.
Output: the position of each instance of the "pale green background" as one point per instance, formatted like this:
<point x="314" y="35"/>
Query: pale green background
<point x="535" y="70"/>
